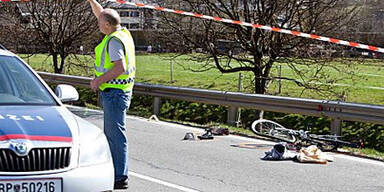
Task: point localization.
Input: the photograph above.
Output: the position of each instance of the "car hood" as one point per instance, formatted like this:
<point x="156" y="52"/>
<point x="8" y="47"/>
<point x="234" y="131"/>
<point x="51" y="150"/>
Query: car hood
<point x="40" y="123"/>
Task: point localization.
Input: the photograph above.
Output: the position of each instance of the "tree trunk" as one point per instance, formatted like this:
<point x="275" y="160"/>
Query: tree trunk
<point x="55" y="63"/>
<point x="259" y="89"/>
<point x="62" y="63"/>
<point x="58" y="68"/>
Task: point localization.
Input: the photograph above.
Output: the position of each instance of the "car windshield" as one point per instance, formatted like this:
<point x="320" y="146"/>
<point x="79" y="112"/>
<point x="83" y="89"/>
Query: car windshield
<point x="19" y="86"/>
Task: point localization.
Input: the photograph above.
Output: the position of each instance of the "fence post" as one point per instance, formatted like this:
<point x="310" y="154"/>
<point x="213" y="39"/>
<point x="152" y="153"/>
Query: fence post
<point x="171" y="70"/>
<point x="279" y="79"/>
<point x="156" y="106"/>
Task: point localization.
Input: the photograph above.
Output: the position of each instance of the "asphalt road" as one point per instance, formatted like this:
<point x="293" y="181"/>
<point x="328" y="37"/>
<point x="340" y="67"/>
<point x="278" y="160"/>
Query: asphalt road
<point x="161" y="161"/>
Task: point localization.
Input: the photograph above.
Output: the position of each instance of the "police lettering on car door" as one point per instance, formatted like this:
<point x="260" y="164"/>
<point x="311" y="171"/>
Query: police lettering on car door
<point x="21" y="117"/>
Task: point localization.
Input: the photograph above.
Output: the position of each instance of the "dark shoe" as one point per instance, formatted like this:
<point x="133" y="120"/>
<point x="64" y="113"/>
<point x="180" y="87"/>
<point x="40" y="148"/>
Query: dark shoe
<point x="121" y="184"/>
<point x="207" y="135"/>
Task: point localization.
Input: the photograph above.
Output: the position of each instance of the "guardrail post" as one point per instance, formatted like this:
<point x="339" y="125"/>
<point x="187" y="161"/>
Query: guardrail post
<point x="336" y="123"/>
<point x="336" y="127"/>
<point x="156" y="106"/>
<point x="231" y="115"/>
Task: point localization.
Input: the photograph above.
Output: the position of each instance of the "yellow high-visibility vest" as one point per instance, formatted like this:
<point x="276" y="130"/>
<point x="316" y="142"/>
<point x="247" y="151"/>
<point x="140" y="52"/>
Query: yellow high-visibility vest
<point x="103" y="63"/>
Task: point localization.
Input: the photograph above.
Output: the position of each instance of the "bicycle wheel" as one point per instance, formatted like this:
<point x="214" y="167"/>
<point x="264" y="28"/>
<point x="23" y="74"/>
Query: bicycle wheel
<point x="271" y="129"/>
<point x="333" y="140"/>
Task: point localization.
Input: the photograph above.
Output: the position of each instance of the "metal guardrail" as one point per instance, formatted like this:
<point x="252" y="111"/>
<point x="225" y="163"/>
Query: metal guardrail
<point x="311" y="107"/>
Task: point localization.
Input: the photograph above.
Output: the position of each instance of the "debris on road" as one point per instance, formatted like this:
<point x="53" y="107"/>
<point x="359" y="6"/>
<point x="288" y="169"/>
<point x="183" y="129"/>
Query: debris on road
<point x="220" y="131"/>
<point x="189" y="136"/>
<point x="312" y="154"/>
<point x="153" y="118"/>
<point x="279" y="152"/>
<point x="207" y="135"/>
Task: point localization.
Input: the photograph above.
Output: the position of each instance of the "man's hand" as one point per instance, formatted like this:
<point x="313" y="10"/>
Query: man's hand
<point x="96" y="8"/>
<point x="116" y="70"/>
<point x="95" y="83"/>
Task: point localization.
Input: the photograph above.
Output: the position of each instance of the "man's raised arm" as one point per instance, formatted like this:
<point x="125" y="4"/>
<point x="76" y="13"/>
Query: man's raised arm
<point x="96" y="8"/>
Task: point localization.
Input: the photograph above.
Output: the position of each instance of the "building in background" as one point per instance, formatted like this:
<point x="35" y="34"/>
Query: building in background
<point x="140" y="22"/>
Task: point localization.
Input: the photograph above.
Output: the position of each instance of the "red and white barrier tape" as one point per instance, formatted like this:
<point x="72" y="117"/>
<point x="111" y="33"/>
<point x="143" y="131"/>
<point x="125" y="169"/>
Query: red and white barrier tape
<point x="14" y="0"/>
<point x="264" y="27"/>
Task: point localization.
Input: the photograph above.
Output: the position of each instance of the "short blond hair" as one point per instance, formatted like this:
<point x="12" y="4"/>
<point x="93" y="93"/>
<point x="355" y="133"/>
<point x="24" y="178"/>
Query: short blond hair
<point x="111" y="16"/>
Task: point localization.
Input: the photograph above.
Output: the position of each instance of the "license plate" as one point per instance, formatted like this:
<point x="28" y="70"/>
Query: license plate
<point x="31" y="185"/>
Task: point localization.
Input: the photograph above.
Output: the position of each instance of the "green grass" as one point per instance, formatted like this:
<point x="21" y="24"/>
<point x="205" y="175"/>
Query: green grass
<point x="154" y="69"/>
<point x="157" y="70"/>
<point x="74" y="66"/>
<point x="365" y="152"/>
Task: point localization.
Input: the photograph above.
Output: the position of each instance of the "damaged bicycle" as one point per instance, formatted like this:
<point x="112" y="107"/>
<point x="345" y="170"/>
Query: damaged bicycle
<point x="299" y="138"/>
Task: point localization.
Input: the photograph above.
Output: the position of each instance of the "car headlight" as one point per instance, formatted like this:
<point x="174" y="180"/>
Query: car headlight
<point x="93" y="152"/>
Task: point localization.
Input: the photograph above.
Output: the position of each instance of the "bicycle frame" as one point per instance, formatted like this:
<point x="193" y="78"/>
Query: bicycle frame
<point x="298" y="137"/>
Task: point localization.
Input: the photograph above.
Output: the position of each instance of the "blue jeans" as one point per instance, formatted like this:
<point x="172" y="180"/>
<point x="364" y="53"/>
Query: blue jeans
<point x="116" y="103"/>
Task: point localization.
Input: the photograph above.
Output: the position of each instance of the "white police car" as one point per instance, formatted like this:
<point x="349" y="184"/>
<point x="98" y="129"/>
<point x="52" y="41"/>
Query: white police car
<point x="43" y="146"/>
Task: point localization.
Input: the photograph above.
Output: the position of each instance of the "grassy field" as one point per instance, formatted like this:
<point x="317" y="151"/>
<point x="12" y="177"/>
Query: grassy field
<point x="367" y="86"/>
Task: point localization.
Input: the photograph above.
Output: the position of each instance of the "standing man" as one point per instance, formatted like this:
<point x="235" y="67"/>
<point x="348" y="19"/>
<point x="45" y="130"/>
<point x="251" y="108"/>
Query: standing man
<point x="115" y="74"/>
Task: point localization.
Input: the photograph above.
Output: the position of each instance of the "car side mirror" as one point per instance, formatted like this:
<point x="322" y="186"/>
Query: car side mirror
<point x="66" y="93"/>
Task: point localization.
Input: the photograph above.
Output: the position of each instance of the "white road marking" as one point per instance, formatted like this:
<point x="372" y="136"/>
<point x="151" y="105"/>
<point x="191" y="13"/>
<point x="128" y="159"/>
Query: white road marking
<point x="181" y="188"/>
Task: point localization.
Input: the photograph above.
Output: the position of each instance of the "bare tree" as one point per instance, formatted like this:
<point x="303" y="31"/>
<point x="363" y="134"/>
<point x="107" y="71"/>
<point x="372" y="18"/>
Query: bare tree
<point x="234" y="48"/>
<point x="57" y="27"/>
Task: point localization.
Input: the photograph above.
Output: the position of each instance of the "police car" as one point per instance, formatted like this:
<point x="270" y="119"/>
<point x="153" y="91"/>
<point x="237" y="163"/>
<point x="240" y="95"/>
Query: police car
<point x="43" y="146"/>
